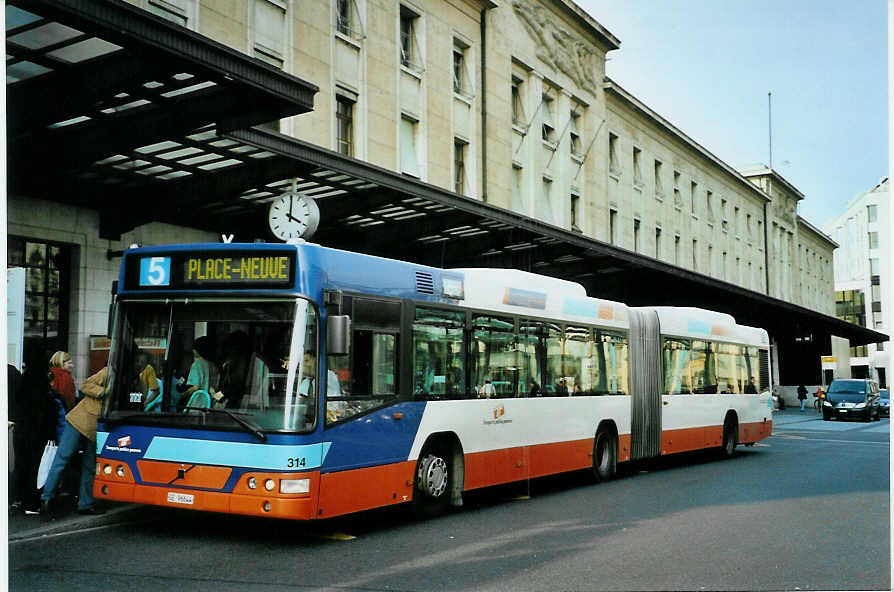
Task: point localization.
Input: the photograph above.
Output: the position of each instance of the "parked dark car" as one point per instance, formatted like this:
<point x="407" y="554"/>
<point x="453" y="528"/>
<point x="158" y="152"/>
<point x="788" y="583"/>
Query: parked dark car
<point x="883" y="402"/>
<point x="852" y="398"/>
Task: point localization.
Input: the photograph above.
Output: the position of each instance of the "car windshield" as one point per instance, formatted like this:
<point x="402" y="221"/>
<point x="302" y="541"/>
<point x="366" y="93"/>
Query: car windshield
<point x="848" y="387"/>
<point x="176" y="362"/>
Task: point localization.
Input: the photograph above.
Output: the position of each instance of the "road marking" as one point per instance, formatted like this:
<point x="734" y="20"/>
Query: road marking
<point x="78" y="531"/>
<point x="337" y="536"/>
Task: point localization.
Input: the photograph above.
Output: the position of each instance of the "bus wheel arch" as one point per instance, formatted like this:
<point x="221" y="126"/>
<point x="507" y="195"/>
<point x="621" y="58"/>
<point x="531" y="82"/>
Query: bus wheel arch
<point x="439" y="475"/>
<point x="730" y="434"/>
<point x="605" y="451"/>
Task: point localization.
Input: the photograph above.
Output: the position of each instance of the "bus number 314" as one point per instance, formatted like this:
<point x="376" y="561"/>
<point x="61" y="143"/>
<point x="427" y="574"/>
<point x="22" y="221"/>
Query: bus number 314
<point x="295" y="463"/>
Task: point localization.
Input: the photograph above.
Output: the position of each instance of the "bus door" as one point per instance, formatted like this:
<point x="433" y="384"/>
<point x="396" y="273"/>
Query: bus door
<point x="645" y="384"/>
<point x="368" y="426"/>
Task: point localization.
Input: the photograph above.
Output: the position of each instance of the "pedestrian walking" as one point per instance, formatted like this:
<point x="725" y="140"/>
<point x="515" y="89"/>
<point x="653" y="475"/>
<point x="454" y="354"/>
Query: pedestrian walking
<point x="34" y="412"/>
<point x="80" y="431"/>
<point x="802" y="396"/>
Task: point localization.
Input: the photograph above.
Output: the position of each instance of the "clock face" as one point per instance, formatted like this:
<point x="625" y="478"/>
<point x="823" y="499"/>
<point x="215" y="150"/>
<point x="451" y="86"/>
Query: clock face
<point x="293" y="215"/>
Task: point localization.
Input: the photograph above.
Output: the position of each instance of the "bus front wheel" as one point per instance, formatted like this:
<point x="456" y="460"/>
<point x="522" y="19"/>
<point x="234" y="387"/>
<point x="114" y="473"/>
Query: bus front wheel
<point x="605" y="456"/>
<point x="431" y="494"/>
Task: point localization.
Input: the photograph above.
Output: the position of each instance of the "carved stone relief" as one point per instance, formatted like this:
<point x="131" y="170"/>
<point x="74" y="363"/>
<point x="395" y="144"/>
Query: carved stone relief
<point x="557" y="48"/>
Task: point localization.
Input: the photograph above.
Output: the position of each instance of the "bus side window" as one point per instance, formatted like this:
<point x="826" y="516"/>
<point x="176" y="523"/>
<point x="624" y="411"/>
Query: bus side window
<point x="367" y="376"/>
<point x="438" y="354"/>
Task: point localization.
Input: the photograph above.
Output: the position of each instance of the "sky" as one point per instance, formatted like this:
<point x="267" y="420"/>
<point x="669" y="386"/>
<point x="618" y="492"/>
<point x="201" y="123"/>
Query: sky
<point x="706" y="66"/>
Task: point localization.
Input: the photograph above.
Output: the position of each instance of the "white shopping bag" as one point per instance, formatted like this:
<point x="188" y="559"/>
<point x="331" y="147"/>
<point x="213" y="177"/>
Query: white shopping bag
<point x="46" y="461"/>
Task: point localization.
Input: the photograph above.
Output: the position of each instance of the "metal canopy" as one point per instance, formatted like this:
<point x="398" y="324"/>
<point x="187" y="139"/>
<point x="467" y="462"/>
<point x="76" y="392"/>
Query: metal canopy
<point x="106" y="101"/>
<point x="120" y="111"/>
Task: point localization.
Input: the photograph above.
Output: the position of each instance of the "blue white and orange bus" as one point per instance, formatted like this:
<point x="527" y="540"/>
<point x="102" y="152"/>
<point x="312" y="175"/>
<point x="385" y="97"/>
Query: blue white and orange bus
<point x="298" y="381"/>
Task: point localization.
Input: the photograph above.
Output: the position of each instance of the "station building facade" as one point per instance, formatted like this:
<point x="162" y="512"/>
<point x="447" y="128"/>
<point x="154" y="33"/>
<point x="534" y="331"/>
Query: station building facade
<point x="507" y="104"/>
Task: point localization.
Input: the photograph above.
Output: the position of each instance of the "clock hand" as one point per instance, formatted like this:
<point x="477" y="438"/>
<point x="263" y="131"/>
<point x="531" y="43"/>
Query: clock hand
<point x="292" y="218"/>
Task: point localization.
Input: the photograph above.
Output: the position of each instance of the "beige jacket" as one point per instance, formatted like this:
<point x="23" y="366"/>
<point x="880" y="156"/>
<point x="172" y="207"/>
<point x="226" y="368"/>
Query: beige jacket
<point x="84" y="415"/>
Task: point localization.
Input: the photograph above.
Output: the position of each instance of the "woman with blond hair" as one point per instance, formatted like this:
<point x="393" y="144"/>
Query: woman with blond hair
<point x="80" y="432"/>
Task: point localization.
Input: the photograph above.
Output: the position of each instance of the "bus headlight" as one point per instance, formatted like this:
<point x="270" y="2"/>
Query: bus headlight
<point x="294" y="485"/>
<point x="252" y="483"/>
<point x="107" y="469"/>
<point x="269" y="484"/>
<point x="120" y="471"/>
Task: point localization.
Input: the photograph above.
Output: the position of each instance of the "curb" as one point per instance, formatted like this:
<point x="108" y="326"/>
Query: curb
<point x="74" y="522"/>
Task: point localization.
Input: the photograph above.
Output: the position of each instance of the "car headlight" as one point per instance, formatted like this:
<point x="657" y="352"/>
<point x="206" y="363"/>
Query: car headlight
<point x="860" y="405"/>
<point x="827" y="404"/>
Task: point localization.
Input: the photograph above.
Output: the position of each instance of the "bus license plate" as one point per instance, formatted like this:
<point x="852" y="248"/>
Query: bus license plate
<point x="180" y="498"/>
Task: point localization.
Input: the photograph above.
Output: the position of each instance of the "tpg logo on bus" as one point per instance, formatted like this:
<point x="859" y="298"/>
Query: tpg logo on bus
<point x="498" y="412"/>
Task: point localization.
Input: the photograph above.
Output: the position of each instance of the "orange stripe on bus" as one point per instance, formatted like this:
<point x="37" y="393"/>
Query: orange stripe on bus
<point x="152" y="471"/>
<point x="361" y="489"/>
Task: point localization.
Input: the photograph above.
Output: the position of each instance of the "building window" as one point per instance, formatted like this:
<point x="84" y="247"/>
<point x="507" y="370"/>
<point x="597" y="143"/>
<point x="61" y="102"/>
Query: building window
<point x="47" y="284"/>
<point x="270" y="32"/>
<point x="709" y="205"/>
<point x="694" y="254"/>
<point x="748" y="225"/>
<point x="872" y="213"/>
<point x="693" y="190"/>
<point x="613" y="226"/>
<point x="176" y="11"/>
<point x="613" y="165"/>
<point x="518" y="106"/>
<point x="658" y="242"/>
<point x="850" y="306"/>
<point x="677" y="250"/>
<point x="546" y="203"/>
<point x="575" y="213"/>
<point x="518" y="204"/>
<point x="462" y="78"/>
<point x="459" y="166"/>
<point x="410" y="54"/>
<point x="874" y="268"/>
<point x="710" y="262"/>
<point x="724" y="225"/>
<point x="409" y="160"/>
<point x="576" y="148"/>
<point x="269" y="42"/>
<point x="873" y="240"/>
<point x="637" y="170"/>
<point x="678" y="198"/>
<point x="548" y="132"/>
<point x="659" y="186"/>
<point x="736" y="221"/>
<point x="347" y="19"/>
<point x="876" y="319"/>
<point x="344" y="125"/>
<point x="636" y="235"/>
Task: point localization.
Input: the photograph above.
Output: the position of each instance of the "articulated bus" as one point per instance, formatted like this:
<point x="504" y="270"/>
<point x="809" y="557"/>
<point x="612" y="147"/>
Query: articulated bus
<point x="298" y="381"/>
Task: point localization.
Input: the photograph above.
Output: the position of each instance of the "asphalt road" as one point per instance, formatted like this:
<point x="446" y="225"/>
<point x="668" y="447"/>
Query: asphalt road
<point x="807" y="509"/>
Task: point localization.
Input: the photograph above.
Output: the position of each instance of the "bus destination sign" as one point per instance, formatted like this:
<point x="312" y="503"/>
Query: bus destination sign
<point x="253" y="269"/>
<point x="240" y="270"/>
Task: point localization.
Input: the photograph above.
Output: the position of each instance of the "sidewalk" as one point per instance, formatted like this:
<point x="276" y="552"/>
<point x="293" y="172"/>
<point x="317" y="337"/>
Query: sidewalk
<point x="793" y="415"/>
<point x="23" y="526"/>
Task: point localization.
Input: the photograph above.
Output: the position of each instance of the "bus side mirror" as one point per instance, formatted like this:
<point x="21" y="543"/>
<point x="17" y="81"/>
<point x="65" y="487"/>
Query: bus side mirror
<point x="338" y="335"/>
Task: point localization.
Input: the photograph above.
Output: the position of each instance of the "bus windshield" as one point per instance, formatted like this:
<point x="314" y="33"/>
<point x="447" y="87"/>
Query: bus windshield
<point x="175" y="360"/>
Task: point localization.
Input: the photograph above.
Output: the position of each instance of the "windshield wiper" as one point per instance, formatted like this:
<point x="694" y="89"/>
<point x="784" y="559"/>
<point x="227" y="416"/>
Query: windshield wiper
<point x="249" y="426"/>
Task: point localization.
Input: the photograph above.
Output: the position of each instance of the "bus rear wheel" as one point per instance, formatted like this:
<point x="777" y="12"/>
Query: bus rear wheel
<point x="605" y="456"/>
<point x="730" y="438"/>
<point x="433" y="482"/>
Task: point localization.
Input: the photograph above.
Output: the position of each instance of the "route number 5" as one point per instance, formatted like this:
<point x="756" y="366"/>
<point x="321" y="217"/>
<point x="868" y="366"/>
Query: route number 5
<point x="155" y="271"/>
